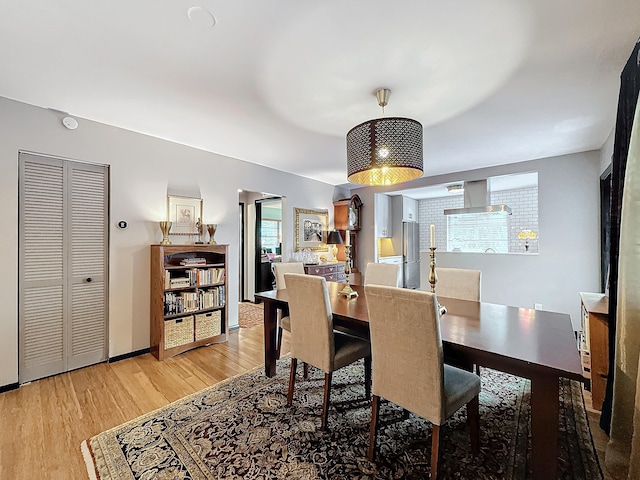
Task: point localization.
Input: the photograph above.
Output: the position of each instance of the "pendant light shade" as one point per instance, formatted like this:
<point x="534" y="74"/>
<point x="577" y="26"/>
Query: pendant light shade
<point x="384" y="151"/>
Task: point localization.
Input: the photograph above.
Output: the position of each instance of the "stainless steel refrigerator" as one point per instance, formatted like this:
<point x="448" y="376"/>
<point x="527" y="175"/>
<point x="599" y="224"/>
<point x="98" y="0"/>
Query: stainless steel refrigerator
<point x="411" y="254"/>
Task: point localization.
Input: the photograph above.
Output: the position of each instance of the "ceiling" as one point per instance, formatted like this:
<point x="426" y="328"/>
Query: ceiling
<point x="280" y="82"/>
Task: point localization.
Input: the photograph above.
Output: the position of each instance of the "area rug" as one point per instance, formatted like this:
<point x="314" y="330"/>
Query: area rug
<point x="250" y="314"/>
<point x="242" y="429"/>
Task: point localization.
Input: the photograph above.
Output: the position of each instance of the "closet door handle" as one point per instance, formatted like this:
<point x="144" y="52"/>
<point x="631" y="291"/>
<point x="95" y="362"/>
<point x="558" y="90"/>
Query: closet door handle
<point x="89" y="280"/>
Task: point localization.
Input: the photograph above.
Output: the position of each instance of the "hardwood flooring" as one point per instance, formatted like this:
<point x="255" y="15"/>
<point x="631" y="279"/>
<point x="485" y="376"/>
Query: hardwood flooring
<point x="42" y="424"/>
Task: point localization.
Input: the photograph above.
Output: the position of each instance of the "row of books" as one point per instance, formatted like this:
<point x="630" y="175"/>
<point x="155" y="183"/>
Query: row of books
<point x="193" y="277"/>
<point x="184" y="302"/>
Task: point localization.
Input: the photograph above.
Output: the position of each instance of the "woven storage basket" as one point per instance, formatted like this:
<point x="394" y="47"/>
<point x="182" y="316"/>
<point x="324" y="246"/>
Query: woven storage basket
<point x="208" y="324"/>
<point x="178" y="331"/>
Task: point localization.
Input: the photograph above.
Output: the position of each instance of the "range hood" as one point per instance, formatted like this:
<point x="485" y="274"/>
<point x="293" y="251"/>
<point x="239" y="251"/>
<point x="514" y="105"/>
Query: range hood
<point x="476" y="200"/>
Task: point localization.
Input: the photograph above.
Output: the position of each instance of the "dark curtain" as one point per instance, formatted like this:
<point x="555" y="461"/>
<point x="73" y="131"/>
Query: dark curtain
<point x="629" y="88"/>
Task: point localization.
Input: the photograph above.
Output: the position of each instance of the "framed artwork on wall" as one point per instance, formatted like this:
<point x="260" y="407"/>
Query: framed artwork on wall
<point x="185" y="215"/>
<point x="310" y="229"/>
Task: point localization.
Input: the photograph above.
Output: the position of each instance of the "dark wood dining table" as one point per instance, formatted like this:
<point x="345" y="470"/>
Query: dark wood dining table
<point x="534" y="344"/>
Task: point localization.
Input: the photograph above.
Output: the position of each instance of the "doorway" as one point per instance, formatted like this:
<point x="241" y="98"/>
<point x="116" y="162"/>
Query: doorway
<point x="261" y="240"/>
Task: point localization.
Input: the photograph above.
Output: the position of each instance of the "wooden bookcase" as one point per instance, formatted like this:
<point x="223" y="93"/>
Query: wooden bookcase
<point x="188" y="297"/>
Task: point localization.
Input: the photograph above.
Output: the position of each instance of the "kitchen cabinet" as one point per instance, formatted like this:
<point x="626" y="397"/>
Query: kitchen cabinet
<point x="383" y="216"/>
<point x="409" y="209"/>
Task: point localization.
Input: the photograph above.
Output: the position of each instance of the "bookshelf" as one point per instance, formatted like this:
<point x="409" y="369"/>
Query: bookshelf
<point x="188" y="297"/>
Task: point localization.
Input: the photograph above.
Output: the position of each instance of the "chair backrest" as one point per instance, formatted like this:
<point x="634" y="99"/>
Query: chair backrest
<point x="311" y="320"/>
<point x="381" y="274"/>
<point x="279" y="269"/>
<point x="406" y="349"/>
<point x="459" y="283"/>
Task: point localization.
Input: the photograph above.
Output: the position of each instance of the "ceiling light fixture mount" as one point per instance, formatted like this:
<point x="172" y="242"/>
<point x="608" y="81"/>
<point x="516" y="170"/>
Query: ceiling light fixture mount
<point x="384" y="151"/>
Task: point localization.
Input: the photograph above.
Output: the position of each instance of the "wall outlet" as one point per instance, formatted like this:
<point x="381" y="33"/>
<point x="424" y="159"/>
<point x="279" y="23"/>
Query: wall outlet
<point x="537" y="306"/>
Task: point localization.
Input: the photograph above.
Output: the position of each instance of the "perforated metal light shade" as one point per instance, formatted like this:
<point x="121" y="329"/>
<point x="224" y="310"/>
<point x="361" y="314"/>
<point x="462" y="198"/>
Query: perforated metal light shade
<point x="385" y="151"/>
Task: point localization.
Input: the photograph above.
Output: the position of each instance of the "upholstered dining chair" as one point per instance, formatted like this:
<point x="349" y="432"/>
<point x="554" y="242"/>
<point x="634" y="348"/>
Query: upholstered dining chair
<point x="459" y="283"/>
<point x="409" y="368"/>
<point x="313" y="339"/>
<point x="279" y="269"/>
<point x="462" y="284"/>
<point x="381" y="274"/>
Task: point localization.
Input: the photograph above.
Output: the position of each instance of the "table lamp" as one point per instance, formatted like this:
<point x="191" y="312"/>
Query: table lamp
<point x="334" y="239"/>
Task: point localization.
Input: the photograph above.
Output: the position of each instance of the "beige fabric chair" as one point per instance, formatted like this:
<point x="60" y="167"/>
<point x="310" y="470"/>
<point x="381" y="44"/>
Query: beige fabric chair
<point x="381" y="274"/>
<point x="313" y="339"/>
<point x="409" y="368"/>
<point x="459" y="283"/>
<point x="462" y="284"/>
<point x="279" y="270"/>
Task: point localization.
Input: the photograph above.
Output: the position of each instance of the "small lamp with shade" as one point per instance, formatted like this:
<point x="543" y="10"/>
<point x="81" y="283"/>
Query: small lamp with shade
<point x="334" y="239"/>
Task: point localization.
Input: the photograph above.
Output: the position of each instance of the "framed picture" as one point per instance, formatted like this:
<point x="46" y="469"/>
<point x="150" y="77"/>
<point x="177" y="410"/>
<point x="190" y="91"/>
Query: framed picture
<point x="185" y="215"/>
<point x="310" y="229"/>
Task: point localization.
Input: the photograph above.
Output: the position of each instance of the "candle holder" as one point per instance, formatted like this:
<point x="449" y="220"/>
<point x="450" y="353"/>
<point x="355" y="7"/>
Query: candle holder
<point x="211" y="228"/>
<point x="164" y="228"/>
<point x="433" y="278"/>
<point x="347" y="291"/>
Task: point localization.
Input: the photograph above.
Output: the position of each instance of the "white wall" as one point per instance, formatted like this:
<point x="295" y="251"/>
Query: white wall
<point x="143" y="170"/>
<point x="569" y="236"/>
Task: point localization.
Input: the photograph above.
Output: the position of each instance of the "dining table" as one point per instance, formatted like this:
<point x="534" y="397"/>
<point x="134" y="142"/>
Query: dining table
<point x="535" y="344"/>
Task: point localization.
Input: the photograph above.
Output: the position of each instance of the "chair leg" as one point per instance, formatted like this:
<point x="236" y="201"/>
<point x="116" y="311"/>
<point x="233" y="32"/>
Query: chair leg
<point x="473" y="414"/>
<point x="477" y="369"/>
<point x="435" y="451"/>
<point x="305" y="370"/>
<point x="373" y="428"/>
<point x="279" y="343"/>
<point x="367" y="377"/>
<point x="325" y="404"/>
<point x="292" y="380"/>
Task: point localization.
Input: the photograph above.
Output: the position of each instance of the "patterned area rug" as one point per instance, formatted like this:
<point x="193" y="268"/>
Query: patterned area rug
<point x="242" y="429"/>
<point x="250" y="314"/>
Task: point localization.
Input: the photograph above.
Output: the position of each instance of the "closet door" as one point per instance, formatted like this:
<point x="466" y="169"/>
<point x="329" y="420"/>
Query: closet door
<point x="63" y="255"/>
<point x="87" y="341"/>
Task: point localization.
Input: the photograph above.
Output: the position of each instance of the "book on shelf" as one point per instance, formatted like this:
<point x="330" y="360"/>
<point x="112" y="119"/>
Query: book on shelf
<point x="193" y="261"/>
<point x="184" y="302"/>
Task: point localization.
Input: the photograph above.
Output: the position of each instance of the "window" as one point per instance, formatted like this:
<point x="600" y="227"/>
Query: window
<point x="271" y="235"/>
<point x="478" y="232"/>
<point x="489" y="232"/>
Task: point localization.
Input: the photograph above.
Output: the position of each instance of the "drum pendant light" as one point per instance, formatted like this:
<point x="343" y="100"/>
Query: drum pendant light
<point x="384" y="151"/>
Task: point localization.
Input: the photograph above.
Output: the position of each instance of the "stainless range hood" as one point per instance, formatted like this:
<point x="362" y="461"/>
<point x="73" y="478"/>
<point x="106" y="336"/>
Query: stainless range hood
<point x="476" y="200"/>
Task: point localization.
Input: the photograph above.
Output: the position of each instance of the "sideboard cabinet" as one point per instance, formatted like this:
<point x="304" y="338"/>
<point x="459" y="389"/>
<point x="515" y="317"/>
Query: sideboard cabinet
<point x="333" y="272"/>
<point x="594" y="344"/>
<point x="188" y="297"/>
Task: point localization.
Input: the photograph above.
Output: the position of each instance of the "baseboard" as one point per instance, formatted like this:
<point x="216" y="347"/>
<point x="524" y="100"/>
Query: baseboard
<point x="11" y="386"/>
<point x="129" y="355"/>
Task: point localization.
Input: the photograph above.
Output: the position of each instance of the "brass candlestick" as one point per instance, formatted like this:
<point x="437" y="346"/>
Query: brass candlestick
<point x="433" y="278"/>
<point x="165" y="227"/>
<point x="211" y="228"/>
<point x="347" y="290"/>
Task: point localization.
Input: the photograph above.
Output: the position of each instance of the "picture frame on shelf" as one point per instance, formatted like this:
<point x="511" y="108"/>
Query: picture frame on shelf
<point x="310" y="229"/>
<point x="185" y="215"/>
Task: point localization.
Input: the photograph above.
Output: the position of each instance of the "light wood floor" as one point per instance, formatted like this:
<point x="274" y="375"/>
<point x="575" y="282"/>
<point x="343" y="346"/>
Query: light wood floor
<point x="42" y="424"/>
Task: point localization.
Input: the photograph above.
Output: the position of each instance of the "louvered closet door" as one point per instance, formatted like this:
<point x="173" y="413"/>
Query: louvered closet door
<point x="63" y="251"/>
<point x="88" y="254"/>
